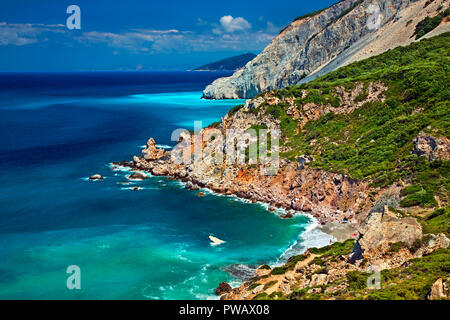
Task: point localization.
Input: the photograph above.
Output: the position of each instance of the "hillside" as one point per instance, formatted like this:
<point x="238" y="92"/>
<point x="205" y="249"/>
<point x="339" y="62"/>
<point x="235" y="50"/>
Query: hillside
<point x="368" y="145"/>
<point x="316" y="44"/>
<point x="230" y="64"/>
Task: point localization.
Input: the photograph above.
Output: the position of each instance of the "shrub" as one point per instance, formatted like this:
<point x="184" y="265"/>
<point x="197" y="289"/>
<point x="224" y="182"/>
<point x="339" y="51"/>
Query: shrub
<point x="278" y="270"/>
<point x="235" y="109"/>
<point x="253" y="286"/>
<point x="427" y="24"/>
<point x="357" y="280"/>
<point x="270" y="284"/>
<point x="396" y="246"/>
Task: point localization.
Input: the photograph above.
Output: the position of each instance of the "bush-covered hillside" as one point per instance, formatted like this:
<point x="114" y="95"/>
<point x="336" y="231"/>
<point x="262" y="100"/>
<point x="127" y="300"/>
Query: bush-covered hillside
<point x="375" y="141"/>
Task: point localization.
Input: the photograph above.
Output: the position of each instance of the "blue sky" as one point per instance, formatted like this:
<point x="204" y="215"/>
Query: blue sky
<point x="139" y="34"/>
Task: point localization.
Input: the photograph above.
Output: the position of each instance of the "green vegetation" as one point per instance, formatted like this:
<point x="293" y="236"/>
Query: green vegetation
<point x="308" y="15"/>
<point x="396" y="246"/>
<point x="357" y="280"/>
<point x="411" y="282"/>
<point x="375" y="141"/>
<point x="437" y="222"/>
<point x="270" y="284"/>
<point x="289" y="265"/>
<point x="428" y="24"/>
<point x="265" y="266"/>
<point x="254" y="285"/>
<point x="415" y="281"/>
<point x="235" y="109"/>
<point x="261" y="296"/>
<point x="335" y="249"/>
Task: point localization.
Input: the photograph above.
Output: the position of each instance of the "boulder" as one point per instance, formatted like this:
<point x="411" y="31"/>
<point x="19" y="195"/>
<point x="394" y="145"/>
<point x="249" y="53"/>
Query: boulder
<point x="138" y="176"/>
<point x="438" y="290"/>
<point x="381" y="229"/>
<point x="318" y="280"/>
<point x="258" y="289"/>
<point x="223" y="288"/>
<point x="96" y="177"/>
<point x="191" y="186"/>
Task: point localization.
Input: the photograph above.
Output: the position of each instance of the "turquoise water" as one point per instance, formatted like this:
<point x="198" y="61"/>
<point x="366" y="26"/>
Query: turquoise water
<point x="148" y="244"/>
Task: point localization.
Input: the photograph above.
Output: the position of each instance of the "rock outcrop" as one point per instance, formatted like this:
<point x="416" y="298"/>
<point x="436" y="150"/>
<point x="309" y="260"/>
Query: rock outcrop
<point x="438" y="290"/>
<point x="381" y="229"/>
<point x="350" y="30"/>
<point x="433" y="148"/>
<point x="137" y="176"/>
<point x="223" y="288"/>
<point x="151" y="152"/>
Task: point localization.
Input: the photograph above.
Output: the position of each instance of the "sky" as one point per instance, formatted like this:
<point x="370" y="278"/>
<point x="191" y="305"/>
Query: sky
<point x="130" y="35"/>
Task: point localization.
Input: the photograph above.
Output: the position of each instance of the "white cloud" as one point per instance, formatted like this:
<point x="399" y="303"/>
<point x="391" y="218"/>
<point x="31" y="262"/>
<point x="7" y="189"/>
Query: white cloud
<point x="151" y="41"/>
<point x="25" y="33"/>
<point x="230" y="25"/>
<point x="234" y="34"/>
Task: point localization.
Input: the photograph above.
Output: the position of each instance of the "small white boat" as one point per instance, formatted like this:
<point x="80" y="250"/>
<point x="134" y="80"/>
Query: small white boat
<point x="215" y="241"/>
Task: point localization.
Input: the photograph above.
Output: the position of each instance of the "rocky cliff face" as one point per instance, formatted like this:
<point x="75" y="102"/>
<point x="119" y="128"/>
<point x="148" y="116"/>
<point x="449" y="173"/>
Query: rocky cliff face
<point x="348" y="31"/>
<point x="330" y="197"/>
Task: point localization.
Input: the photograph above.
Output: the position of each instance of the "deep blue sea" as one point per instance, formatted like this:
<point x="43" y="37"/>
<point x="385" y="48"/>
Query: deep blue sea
<point x="58" y="129"/>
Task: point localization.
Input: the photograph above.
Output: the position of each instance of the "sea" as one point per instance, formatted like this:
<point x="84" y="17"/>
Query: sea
<point x="57" y="129"/>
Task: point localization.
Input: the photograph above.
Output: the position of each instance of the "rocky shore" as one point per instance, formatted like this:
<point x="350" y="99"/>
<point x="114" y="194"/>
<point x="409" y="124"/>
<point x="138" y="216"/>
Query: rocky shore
<point x="395" y="217"/>
<point x="339" y="271"/>
<point x="329" y="197"/>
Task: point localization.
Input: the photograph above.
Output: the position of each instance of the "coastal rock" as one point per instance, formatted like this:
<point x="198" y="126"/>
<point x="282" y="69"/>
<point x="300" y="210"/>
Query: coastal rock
<point x="96" y="177"/>
<point x="438" y="290"/>
<point x="223" y="288"/>
<point x="318" y="280"/>
<point x="137" y="176"/>
<point x="191" y="186"/>
<point x="316" y="44"/>
<point x="151" y="152"/>
<point x="381" y="229"/>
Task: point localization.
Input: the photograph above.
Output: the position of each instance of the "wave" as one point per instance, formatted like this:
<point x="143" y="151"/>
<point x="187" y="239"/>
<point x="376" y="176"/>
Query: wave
<point x="311" y="237"/>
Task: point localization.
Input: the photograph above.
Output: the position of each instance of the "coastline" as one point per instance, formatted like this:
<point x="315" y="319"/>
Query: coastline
<point x="314" y="235"/>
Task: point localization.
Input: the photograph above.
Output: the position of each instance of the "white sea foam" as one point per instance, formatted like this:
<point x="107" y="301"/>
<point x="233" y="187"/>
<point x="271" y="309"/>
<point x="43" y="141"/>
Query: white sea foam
<point x="93" y="180"/>
<point x="164" y="146"/>
<point x="312" y="237"/>
<point x="139" y="188"/>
